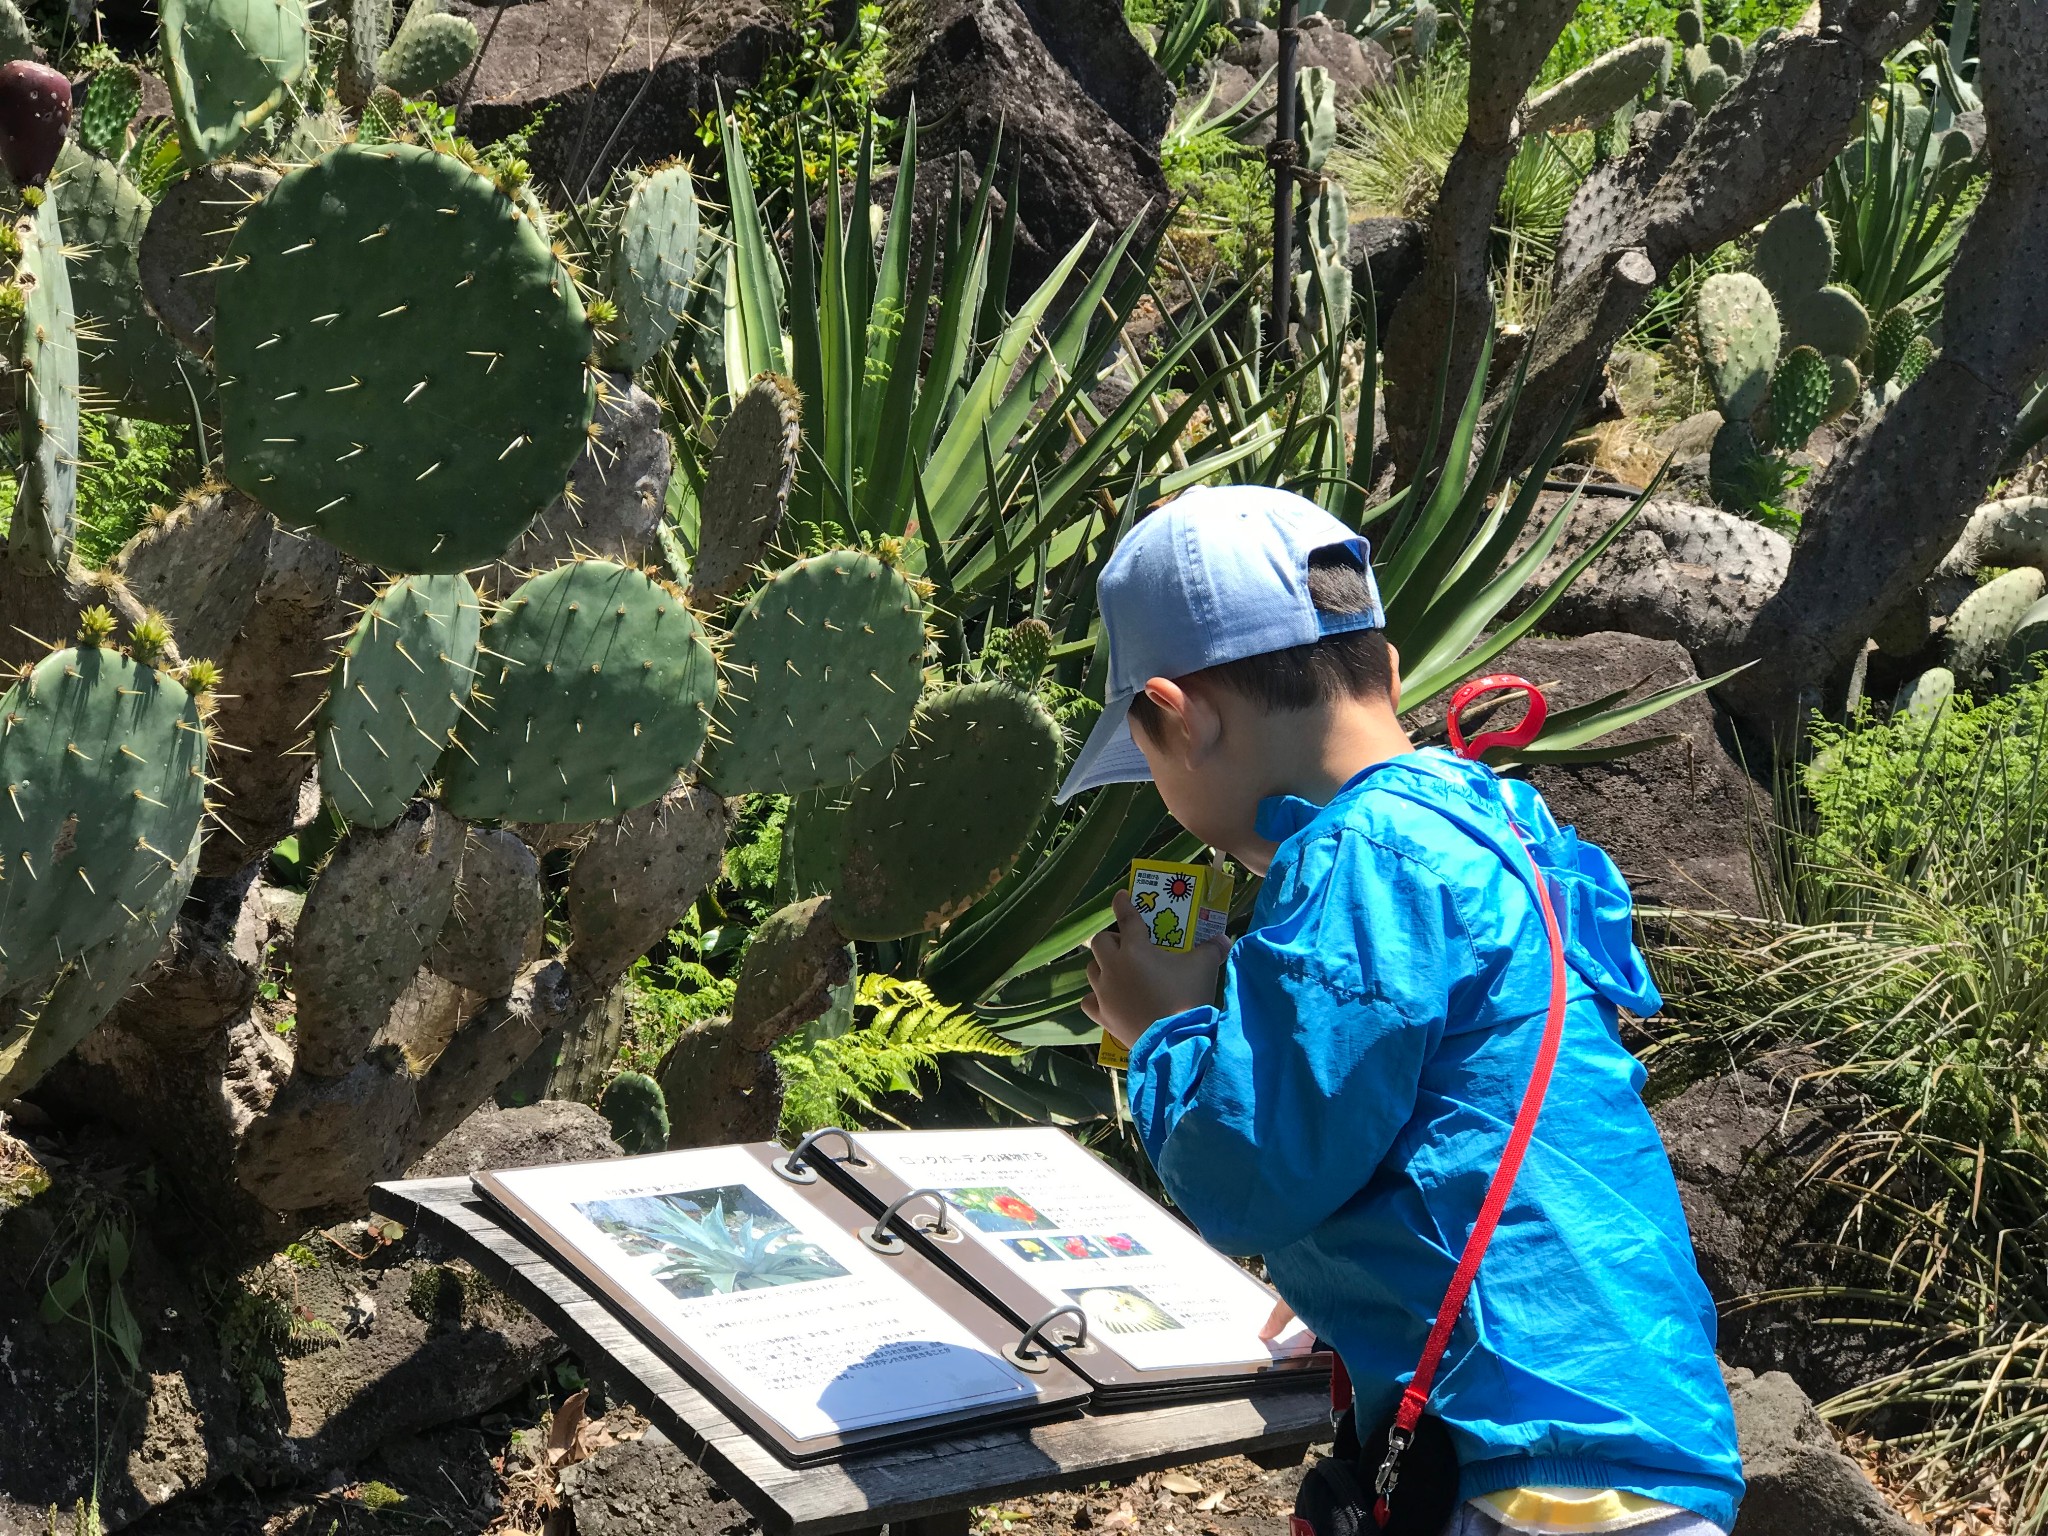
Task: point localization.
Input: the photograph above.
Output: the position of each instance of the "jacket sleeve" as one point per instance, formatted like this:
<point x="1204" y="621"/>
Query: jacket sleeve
<point x="1267" y="1114"/>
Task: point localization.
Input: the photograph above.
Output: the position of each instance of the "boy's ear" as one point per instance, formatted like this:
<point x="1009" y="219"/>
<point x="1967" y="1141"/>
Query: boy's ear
<point x="1394" y="676"/>
<point x="1189" y="724"/>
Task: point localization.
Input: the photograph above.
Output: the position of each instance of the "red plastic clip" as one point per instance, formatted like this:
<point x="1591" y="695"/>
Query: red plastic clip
<point x="1518" y="735"/>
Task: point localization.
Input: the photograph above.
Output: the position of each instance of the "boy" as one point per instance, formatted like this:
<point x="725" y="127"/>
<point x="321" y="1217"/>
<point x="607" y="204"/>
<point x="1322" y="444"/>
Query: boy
<point x="1342" y="1109"/>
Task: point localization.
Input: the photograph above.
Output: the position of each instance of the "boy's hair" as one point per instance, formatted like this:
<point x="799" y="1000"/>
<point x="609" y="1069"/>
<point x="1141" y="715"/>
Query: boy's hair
<point x="1351" y="665"/>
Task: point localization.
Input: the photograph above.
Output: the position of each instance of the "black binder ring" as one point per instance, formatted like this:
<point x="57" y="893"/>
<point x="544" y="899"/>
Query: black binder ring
<point x="1025" y="1358"/>
<point x="882" y="1238"/>
<point x="797" y="1166"/>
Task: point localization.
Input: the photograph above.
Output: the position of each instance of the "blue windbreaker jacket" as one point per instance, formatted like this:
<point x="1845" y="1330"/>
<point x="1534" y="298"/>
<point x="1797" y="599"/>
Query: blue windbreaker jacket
<point x="1342" y="1112"/>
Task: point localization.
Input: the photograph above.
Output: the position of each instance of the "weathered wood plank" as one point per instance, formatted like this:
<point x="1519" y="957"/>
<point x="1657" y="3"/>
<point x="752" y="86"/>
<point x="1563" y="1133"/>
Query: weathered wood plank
<point x="919" y="1490"/>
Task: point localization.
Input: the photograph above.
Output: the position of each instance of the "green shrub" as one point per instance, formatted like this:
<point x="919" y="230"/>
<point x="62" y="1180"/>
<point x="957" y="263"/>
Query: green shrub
<point x="124" y="469"/>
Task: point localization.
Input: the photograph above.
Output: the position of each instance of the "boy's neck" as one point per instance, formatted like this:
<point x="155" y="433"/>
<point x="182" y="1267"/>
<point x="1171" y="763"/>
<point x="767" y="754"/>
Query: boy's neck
<point x="1313" y="753"/>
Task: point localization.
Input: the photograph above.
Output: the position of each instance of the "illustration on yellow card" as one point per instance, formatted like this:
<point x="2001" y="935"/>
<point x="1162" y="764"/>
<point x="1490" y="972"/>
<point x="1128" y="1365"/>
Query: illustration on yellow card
<point x="1182" y="905"/>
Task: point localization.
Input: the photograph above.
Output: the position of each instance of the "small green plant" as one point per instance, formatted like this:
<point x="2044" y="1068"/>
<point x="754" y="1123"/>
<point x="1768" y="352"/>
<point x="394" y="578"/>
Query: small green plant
<point x="374" y="1495"/>
<point x="812" y="97"/>
<point x="257" y="1332"/>
<point x="900" y="1031"/>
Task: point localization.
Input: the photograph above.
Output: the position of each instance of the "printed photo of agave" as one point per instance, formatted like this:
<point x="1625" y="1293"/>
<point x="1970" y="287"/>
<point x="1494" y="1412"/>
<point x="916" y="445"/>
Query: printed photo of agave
<point x="711" y="1242"/>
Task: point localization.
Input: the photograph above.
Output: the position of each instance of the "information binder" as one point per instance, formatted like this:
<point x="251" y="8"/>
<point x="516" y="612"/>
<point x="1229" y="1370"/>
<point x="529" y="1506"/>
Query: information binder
<point x="835" y="1298"/>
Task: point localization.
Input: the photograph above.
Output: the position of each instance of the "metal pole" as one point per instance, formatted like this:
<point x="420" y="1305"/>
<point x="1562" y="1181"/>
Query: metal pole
<point x="1284" y="155"/>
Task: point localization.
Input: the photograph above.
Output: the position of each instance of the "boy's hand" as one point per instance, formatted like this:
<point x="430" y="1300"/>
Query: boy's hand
<point x="1137" y="983"/>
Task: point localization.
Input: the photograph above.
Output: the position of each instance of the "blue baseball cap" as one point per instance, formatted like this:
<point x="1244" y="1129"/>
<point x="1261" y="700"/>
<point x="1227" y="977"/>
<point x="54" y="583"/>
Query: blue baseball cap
<point x="1217" y="574"/>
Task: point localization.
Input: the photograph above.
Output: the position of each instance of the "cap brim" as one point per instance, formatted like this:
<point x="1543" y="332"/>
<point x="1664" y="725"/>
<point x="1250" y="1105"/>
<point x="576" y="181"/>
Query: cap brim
<point x="1109" y="756"/>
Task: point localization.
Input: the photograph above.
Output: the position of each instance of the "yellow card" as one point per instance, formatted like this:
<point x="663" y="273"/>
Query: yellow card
<point x="1182" y="905"/>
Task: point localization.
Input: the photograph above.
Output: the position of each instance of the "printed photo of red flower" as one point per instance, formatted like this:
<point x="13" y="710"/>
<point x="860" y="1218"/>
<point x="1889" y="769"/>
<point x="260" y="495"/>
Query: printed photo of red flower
<point x="997" y="1209"/>
<point x="1123" y="1246"/>
<point x="1080" y="1248"/>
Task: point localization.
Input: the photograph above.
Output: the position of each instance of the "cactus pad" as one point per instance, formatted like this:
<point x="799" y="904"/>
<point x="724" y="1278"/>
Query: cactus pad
<point x="495" y="926"/>
<point x="46" y="351"/>
<point x="402" y="359"/>
<point x="638" y="874"/>
<point x="1918" y="355"/>
<point x="638" y="1113"/>
<point x="87" y="993"/>
<point x="747" y="487"/>
<point x="654" y="257"/>
<point x="594" y="699"/>
<point x="368" y="30"/>
<point x="1888" y="343"/>
<point x="375" y="907"/>
<point x="229" y="64"/>
<point x="1924" y="698"/>
<point x="1738" y="327"/>
<point x="1692" y="25"/>
<point x="822" y="676"/>
<point x="1709" y="85"/>
<point x="102" y="784"/>
<point x="1738" y="470"/>
<point x="1796" y="253"/>
<point x="200" y="566"/>
<point x="429" y="50"/>
<point x="396" y="694"/>
<point x="1978" y="630"/>
<point x="1845" y="386"/>
<point x="126" y="356"/>
<point x="111" y="102"/>
<point x="935" y="826"/>
<point x="1725" y="49"/>
<point x="1831" y="320"/>
<point x="1800" y="391"/>
<point x="1602" y="88"/>
<point x="187" y="239"/>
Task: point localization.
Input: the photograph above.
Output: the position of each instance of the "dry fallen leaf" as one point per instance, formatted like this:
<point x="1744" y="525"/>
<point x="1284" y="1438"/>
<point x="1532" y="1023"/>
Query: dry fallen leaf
<point x="1179" y="1482"/>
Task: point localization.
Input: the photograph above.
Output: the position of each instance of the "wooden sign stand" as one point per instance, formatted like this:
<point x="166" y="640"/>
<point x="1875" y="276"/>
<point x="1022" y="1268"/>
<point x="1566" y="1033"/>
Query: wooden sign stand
<point x="919" y="1490"/>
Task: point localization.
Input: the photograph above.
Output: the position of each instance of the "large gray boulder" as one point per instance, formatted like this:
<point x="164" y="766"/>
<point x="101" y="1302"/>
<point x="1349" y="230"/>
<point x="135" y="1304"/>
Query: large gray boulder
<point x="1800" y="1483"/>
<point x="1679" y="819"/>
<point x="980" y="72"/>
<point x="623" y="83"/>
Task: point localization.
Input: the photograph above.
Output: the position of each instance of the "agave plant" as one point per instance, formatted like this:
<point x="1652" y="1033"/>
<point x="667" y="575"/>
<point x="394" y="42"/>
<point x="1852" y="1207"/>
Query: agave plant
<point x="929" y="409"/>
<point x="727" y="1246"/>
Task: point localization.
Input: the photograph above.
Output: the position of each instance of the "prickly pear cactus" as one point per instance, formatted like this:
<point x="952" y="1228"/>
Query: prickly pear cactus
<point x="1692" y="25"/>
<point x="936" y="825"/>
<point x="375" y="908"/>
<point x="822" y="673"/>
<point x="635" y="874"/>
<point x="1738" y="469"/>
<point x="229" y="65"/>
<point x="103" y="768"/>
<point x="46" y="352"/>
<point x="747" y="487"/>
<point x="111" y="102"/>
<point x="637" y="1112"/>
<point x="1979" y="629"/>
<point x="1888" y="343"/>
<point x="653" y="259"/>
<point x="200" y="565"/>
<point x="1795" y="254"/>
<point x="1831" y="320"/>
<point x="1800" y="391"/>
<point x="1738" y="328"/>
<point x="87" y="992"/>
<point x="1725" y="49"/>
<point x="1602" y="88"/>
<point x="1845" y="386"/>
<point x="130" y="359"/>
<point x="430" y="49"/>
<point x="402" y="359"/>
<point x="186" y="242"/>
<point x="1924" y="698"/>
<point x="396" y="694"/>
<point x="595" y="699"/>
<point x="363" y="41"/>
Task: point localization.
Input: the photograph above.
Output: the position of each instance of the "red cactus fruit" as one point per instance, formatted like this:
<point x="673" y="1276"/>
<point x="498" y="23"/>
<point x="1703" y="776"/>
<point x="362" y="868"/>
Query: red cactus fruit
<point x="35" y="109"/>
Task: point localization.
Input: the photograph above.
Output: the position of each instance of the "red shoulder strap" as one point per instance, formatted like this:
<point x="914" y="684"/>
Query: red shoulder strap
<point x="1415" y="1398"/>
